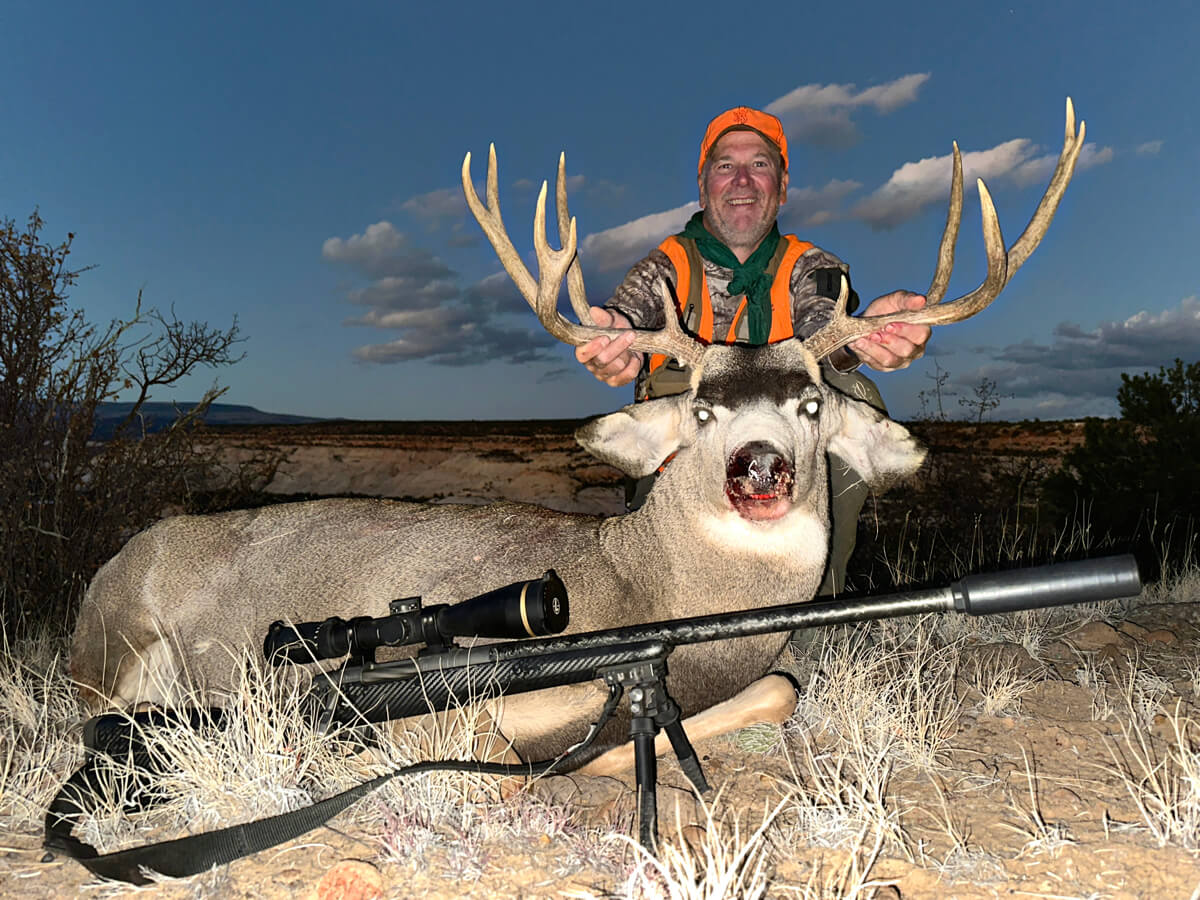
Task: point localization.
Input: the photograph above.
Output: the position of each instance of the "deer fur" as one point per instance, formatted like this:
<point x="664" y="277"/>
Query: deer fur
<point x="183" y="594"/>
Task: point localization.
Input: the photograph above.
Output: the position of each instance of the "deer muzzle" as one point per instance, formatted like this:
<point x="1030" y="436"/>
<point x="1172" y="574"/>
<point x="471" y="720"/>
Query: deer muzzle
<point x="759" y="481"/>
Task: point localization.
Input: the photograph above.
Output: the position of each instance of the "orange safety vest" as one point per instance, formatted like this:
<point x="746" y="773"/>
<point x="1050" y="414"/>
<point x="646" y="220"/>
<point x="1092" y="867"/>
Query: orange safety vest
<point x="695" y="302"/>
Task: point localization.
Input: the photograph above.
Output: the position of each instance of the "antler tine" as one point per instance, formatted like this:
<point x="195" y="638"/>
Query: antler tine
<point x="844" y="329"/>
<point x="672" y="340"/>
<point x="489" y="220"/>
<point x="575" y="288"/>
<point x="1024" y="246"/>
<point x="552" y="267"/>
<point x="945" y="264"/>
<point x="554" y="264"/>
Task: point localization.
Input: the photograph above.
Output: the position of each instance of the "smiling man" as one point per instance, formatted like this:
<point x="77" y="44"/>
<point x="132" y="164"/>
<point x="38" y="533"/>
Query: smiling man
<point x="736" y="279"/>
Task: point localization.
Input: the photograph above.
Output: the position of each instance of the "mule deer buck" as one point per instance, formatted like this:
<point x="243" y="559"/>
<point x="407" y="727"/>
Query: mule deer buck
<point x="739" y="519"/>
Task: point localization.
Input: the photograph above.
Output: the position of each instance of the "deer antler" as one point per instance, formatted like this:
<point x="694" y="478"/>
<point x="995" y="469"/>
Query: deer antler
<point x="845" y="329"/>
<point x="575" y="288"/>
<point x="554" y="265"/>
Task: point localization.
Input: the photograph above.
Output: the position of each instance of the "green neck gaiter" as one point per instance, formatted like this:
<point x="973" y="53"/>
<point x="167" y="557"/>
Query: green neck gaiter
<point x="749" y="278"/>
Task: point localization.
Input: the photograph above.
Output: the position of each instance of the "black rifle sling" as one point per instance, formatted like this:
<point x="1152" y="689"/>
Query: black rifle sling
<point x="197" y="853"/>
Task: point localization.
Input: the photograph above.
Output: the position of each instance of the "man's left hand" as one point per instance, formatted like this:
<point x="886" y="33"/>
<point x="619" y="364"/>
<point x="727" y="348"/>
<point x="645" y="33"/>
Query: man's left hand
<point x="894" y="346"/>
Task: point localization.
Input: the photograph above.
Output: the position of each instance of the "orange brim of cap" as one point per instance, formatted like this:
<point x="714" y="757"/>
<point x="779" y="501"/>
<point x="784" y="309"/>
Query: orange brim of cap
<point x="744" y="117"/>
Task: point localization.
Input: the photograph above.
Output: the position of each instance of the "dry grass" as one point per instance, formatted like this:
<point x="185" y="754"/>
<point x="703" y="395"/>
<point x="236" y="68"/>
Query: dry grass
<point x="38" y="743"/>
<point x="725" y="857"/>
<point x="1000" y="685"/>
<point x="1164" y="782"/>
<point x="880" y="708"/>
<point x="1040" y="836"/>
<point x="888" y="688"/>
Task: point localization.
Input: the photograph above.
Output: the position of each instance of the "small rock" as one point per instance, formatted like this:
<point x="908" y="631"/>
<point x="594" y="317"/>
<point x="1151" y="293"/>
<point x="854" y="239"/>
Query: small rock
<point x="288" y="876"/>
<point x="1113" y="653"/>
<point x="1132" y="629"/>
<point x="1096" y="636"/>
<point x="1002" y="654"/>
<point x="1060" y="803"/>
<point x="351" y="879"/>
<point x="1161" y="636"/>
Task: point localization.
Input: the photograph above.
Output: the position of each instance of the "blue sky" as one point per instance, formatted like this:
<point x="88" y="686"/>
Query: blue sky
<point x="297" y="166"/>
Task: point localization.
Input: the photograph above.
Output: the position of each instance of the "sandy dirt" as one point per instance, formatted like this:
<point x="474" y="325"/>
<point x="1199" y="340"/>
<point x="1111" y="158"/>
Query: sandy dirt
<point x="1035" y="797"/>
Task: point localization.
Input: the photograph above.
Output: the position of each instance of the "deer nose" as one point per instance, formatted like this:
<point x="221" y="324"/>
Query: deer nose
<point x="759" y="463"/>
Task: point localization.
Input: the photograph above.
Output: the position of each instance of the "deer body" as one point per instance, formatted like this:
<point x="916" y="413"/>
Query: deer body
<point x="185" y="593"/>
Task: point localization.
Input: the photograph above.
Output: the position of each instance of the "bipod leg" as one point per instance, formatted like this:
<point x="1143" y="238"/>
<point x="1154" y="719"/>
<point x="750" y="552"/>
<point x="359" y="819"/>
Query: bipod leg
<point x="651" y="708"/>
<point x="645" y="766"/>
<point x="684" y="752"/>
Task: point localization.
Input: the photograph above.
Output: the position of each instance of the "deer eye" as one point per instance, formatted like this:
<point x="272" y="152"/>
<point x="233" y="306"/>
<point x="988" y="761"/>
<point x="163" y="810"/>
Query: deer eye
<point x="811" y="407"/>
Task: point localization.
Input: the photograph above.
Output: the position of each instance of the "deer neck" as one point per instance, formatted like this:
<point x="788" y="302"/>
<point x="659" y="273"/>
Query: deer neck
<point x="671" y="547"/>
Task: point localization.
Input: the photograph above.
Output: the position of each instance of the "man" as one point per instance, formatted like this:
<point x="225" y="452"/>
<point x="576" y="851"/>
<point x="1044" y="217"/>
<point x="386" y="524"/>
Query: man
<point x="734" y="277"/>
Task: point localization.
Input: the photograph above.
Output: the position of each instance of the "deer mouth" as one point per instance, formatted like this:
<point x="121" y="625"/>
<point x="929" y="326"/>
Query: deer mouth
<point x="758" y="482"/>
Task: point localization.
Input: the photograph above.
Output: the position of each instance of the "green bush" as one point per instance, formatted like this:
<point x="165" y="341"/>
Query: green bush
<point x="1137" y="477"/>
<point x="68" y="502"/>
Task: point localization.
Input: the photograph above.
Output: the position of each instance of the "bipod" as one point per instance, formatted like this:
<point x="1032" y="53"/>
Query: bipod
<point x="651" y="708"/>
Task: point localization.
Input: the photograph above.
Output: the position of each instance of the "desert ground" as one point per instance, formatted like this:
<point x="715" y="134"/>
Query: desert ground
<point x="1050" y="754"/>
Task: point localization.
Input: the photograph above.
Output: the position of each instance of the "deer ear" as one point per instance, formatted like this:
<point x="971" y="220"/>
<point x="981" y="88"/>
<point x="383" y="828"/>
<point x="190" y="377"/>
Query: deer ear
<point x="878" y="449"/>
<point x="639" y="437"/>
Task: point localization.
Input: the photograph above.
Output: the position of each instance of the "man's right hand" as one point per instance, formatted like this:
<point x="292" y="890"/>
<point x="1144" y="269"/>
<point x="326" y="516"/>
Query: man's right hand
<point x="610" y="359"/>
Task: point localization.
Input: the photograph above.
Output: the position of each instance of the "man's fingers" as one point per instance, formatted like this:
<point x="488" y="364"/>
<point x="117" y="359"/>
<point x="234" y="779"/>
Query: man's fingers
<point x="627" y="374"/>
<point x="585" y="352"/>
<point x="602" y="350"/>
<point x="601" y="316"/>
<point x="886" y="353"/>
<point x="613" y="349"/>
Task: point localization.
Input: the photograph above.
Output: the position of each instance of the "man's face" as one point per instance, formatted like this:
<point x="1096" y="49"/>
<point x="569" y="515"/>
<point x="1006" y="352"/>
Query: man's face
<point x="741" y="189"/>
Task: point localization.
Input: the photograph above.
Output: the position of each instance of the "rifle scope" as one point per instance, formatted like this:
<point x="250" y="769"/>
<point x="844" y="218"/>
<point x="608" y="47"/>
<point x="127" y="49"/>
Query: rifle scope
<point x="523" y="609"/>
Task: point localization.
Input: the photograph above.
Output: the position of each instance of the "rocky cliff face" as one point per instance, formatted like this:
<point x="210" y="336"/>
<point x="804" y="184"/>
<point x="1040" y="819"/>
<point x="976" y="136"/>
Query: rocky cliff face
<point x="539" y="462"/>
<point x="459" y="462"/>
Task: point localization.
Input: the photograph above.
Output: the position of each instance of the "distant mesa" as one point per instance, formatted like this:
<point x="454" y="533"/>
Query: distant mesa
<point x="157" y="416"/>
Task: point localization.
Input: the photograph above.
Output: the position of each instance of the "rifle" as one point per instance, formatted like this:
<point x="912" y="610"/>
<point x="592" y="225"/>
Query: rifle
<point x="532" y="614"/>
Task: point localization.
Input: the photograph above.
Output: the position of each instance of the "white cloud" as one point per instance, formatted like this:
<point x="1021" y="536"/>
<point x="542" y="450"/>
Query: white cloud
<point x="439" y="317"/>
<point x="1150" y="148"/>
<point x="885" y="98"/>
<point x="381" y="251"/>
<point x="1038" y="170"/>
<point x="917" y="185"/>
<point x="379" y="239"/>
<point x="436" y="206"/>
<point x="410" y="291"/>
<point x="808" y="207"/>
<point x="1078" y="372"/>
<point x="407" y="293"/>
<point x="821" y="113"/>
<point x="622" y="246"/>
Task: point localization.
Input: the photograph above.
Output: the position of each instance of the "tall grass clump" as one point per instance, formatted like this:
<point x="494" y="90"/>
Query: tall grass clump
<point x="39" y="743"/>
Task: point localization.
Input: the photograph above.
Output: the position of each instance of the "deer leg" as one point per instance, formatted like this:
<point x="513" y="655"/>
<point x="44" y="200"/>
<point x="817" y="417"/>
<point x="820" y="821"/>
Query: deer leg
<point x="770" y="699"/>
<point x="151" y="676"/>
